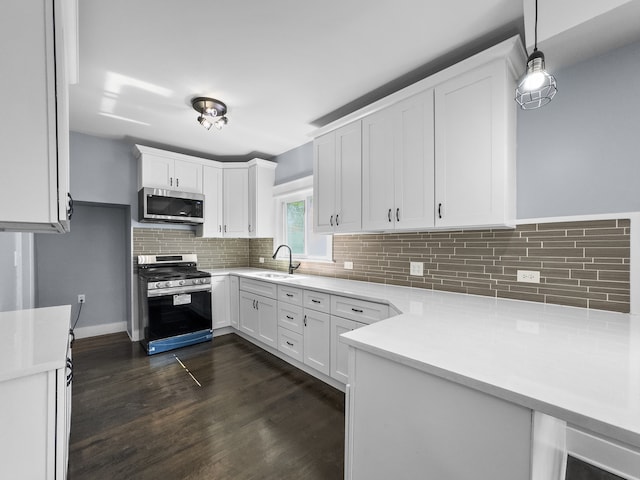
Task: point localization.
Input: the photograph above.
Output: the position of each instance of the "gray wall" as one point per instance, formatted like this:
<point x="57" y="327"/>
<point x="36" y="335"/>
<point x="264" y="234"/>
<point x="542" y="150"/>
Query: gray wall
<point x="294" y="164"/>
<point x="91" y="259"/>
<point x="578" y="155"/>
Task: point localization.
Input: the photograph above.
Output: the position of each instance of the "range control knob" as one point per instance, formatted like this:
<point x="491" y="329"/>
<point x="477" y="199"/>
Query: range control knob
<point x="180" y="282"/>
<point x="158" y="285"/>
<point x="168" y="284"/>
<point x="206" y="280"/>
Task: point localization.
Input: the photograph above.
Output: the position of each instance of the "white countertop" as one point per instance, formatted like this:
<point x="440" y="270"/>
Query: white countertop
<point x="579" y="365"/>
<point x="33" y="341"/>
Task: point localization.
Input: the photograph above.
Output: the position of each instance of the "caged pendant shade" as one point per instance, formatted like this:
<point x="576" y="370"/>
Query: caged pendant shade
<point x="536" y="87"/>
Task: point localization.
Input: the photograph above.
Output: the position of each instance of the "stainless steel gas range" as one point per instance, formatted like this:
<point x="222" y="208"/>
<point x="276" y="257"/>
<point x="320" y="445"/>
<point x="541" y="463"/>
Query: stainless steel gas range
<point x="175" y="302"/>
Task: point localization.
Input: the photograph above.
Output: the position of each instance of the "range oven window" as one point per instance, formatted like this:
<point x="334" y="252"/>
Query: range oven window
<point x="174" y="206"/>
<point x="177" y="314"/>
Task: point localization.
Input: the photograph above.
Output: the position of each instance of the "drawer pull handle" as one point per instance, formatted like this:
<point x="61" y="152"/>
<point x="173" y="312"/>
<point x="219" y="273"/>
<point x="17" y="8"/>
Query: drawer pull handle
<point x="357" y="310"/>
<point x="315" y="301"/>
<point x="289" y="317"/>
<point x="289" y="294"/>
<point x="290" y="344"/>
<point x="305" y="320"/>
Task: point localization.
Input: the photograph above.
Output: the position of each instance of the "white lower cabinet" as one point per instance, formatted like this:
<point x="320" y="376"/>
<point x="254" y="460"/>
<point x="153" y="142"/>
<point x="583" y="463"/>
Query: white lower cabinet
<point x="317" y="340"/>
<point x="290" y="343"/>
<point x="219" y="301"/>
<point x="258" y="318"/>
<point x="403" y="423"/>
<point x="339" y="349"/>
<point x="234" y="301"/>
<point x="35" y="418"/>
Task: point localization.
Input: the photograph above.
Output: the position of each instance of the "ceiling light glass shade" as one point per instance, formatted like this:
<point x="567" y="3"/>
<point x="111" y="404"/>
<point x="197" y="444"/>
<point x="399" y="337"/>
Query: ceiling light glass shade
<point x="204" y="121"/>
<point x="221" y="122"/>
<point x="537" y="87"/>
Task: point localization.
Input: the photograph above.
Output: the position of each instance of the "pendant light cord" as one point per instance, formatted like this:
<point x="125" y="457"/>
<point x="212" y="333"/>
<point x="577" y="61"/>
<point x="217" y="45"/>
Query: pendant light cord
<point x="535" y="30"/>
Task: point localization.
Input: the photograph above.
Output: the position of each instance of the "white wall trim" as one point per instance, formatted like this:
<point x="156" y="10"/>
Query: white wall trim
<point x="103" y="329"/>
<point x="294" y="186"/>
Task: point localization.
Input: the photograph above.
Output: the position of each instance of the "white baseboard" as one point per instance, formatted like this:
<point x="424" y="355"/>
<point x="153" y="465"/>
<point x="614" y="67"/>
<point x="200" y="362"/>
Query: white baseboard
<point x="103" y="329"/>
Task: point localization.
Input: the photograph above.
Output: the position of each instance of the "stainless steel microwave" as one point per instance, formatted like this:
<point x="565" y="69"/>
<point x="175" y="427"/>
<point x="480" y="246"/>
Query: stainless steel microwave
<point x="158" y="205"/>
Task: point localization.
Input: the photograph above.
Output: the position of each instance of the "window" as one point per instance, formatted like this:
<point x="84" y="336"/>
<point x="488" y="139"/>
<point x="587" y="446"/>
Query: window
<point x="294" y="223"/>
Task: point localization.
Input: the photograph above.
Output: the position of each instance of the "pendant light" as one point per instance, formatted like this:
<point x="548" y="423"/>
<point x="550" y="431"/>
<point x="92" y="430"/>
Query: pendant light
<point x="536" y="88"/>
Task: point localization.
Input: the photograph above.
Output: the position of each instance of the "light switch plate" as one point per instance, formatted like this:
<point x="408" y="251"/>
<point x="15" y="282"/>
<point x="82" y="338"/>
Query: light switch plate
<point x="348" y="265"/>
<point x="529" y="276"/>
<point x="261" y="259"/>
<point x="416" y="268"/>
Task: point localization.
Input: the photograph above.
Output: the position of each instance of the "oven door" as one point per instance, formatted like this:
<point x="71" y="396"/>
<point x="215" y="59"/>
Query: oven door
<point x="178" y="313"/>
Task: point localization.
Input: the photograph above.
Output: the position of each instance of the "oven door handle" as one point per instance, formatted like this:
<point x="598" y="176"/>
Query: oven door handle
<point x="163" y="292"/>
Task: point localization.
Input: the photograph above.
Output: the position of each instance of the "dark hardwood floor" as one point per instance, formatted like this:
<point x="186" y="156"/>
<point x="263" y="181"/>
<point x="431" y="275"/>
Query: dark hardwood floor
<point x="254" y="417"/>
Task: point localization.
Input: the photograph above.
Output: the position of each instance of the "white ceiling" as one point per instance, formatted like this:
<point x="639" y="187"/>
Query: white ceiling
<point x="279" y="65"/>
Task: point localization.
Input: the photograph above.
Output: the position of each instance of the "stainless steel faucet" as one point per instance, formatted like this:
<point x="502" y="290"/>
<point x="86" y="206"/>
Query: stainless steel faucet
<point x="291" y="267"/>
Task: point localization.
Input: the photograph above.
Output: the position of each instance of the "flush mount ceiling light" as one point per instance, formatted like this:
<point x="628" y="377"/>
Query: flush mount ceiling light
<point x="209" y="109"/>
<point x="536" y="87"/>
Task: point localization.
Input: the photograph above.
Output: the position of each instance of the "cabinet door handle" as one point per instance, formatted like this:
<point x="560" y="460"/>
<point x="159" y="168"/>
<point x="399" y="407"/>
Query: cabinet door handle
<point x="249" y="228"/>
<point x="439" y="210"/>
<point x="289" y="343"/>
<point x="389" y="215"/>
<point x="257" y="305"/>
<point x="289" y="317"/>
<point x="305" y="320"/>
<point x="220" y="228"/>
<point x="357" y="310"/>
<point x="254" y="304"/>
<point x="397" y="214"/>
<point x="177" y="182"/>
<point x="337" y="219"/>
<point x="171" y="181"/>
<point x="315" y="301"/>
<point x="69" y="207"/>
<point x="331" y="220"/>
<point x="225" y="229"/>
<point x="289" y="294"/>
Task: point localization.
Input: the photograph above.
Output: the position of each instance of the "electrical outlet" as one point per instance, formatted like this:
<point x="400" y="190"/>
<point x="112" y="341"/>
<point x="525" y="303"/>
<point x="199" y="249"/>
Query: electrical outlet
<point x="528" y="276"/>
<point x="348" y="265"/>
<point x="81" y="298"/>
<point x="261" y="259"/>
<point x="416" y="268"/>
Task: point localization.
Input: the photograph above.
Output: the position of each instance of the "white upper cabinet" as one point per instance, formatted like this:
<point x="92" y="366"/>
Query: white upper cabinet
<point x="337" y="180"/>
<point x="475" y="149"/>
<point x="168" y="170"/>
<point x="262" y="175"/>
<point x="437" y="154"/>
<point x="235" y="203"/>
<point x="34" y="146"/>
<point x="397" y="165"/>
<point x="213" y="214"/>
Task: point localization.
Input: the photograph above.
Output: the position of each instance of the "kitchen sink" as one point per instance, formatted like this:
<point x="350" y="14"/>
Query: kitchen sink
<point x="274" y="275"/>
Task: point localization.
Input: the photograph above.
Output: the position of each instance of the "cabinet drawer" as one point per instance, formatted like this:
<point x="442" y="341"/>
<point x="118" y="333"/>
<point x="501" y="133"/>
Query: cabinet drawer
<point x="290" y="343"/>
<point x="359" y="310"/>
<point x="317" y="301"/>
<point x="290" y="316"/>
<point x="266" y="289"/>
<point x="290" y="294"/>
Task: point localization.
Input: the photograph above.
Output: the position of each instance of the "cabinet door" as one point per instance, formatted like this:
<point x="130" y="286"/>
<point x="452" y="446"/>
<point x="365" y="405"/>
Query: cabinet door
<point x="34" y="147"/>
<point x="188" y="176"/>
<point x="235" y="205"/>
<point x="234" y="301"/>
<point x="220" y="301"/>
<point x="251" y="195"/>
<point x="472" y="151"/>
<point x="212" y="189"/>
<point x="339" y="349"/>
<point x="324" y="183"/>
<point x="349" y="178"/>
<point x="267" y="321"/>
<point x="157" y="171"/>
<point x="248" y="314"/>
<point x="413" y="162"/>
<point x="317" y="340"/>
<point x="378" y="171"/>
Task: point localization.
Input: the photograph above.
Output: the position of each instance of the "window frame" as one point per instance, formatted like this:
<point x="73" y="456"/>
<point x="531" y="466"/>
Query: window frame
<point x="284" y="193"/>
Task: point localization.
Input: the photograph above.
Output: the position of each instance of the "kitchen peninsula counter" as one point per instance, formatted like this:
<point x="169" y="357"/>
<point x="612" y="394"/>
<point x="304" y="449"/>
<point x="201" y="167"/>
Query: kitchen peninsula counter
<point x="579" y="365"/>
